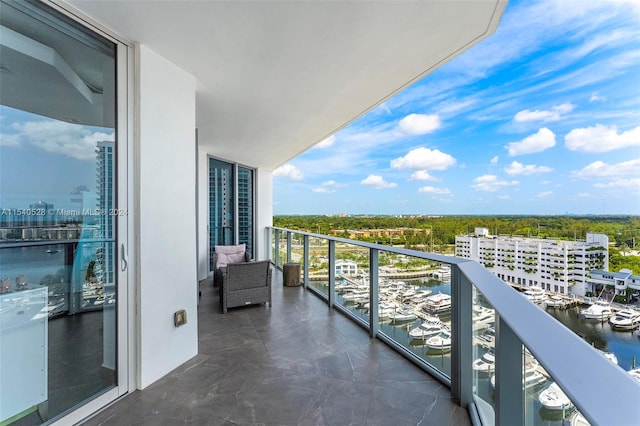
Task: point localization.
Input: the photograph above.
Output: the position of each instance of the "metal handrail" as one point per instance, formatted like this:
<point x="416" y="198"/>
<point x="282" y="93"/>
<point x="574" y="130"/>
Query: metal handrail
<point x="604" y="393"/>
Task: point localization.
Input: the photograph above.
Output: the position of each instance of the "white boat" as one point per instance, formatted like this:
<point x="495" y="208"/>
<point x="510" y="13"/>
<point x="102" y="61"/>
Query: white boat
<point x="352" y="296"/>
<point x="625" y="319"/>
<point x="555" y="301"/>
<point x="443" y="273"/>
<point x="600" y="310"/>
<point x="482" y="316"/>
<point x="437" y="303"/>
<point x="403" y="315"/>
<point x="485" y="364"/>
<point x="535" y="294"/>
<point x="532" y="377"/>
<point x="553" y="398"/>
<point x="429" y="327"/>
<point x="578" y="419"/>
<point x="440" y="342"/>
<point x="635" y="373"/>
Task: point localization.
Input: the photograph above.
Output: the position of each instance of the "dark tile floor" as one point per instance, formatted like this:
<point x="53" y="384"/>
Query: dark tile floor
<point x="296" y="363"/>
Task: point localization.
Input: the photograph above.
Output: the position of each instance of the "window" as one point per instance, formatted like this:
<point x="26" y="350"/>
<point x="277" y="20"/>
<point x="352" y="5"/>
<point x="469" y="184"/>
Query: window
<point x="231" y="206"/>
<point x="58" y="228"/>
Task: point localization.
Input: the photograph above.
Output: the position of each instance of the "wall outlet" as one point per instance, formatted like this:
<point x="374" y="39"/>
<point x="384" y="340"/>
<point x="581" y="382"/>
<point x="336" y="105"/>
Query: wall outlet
<point x="180" y="318"/>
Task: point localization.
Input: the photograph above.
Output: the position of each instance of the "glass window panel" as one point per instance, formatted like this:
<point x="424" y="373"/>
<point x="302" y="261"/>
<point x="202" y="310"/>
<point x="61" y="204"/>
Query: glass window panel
<point x="58" y="213"/>
<point x="245" y="207"/>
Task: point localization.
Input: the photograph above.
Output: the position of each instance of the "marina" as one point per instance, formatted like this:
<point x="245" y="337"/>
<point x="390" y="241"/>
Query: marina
<point x="428" y="336"/>
<point x="416" y="313"/>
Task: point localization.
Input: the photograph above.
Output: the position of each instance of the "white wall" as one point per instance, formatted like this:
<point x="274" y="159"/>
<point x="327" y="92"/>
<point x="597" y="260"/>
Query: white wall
<point x="203" y="214"/>
<point x="264" y="210"/>
<point x="166" y="234"/>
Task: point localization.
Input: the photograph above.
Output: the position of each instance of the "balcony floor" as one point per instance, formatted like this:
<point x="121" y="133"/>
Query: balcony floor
<point x="296" y="363"/>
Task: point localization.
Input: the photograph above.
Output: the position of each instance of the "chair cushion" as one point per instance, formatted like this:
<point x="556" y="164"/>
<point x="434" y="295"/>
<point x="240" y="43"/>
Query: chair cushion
<point x="229" y="254"/>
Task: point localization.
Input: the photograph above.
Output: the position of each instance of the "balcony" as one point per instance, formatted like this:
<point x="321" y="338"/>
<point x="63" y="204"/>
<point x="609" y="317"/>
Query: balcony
<point x="294" y="363"/>
<point x="526" y="339"/>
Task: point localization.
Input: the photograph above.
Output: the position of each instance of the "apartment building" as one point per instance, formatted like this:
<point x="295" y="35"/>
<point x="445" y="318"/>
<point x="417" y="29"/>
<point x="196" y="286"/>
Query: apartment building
<point x="620" y="281"/>
<point x="554" y="265"/>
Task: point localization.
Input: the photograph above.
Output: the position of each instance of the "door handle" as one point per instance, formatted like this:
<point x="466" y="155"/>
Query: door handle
<point x="123" y="258"/>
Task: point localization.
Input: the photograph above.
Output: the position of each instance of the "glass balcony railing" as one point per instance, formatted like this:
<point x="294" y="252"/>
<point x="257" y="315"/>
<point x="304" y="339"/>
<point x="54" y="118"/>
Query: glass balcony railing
<point x="502" y="356"/>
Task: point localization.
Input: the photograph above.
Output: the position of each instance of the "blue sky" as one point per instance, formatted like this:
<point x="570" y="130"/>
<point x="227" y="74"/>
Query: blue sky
<point x="543" y="117"/>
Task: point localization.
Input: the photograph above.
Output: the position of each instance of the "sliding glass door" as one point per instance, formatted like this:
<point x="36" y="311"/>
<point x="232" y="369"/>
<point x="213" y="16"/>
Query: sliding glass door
<point x="60" y="281"/>
<point x="231" y="205"/>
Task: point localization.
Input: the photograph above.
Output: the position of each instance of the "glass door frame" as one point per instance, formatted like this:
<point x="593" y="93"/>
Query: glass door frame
<point x="234" y="181"/>
<point x="125" y="223"/>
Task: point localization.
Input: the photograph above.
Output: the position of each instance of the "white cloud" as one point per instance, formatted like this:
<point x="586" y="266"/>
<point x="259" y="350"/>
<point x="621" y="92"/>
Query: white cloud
<point x="328" y="187"/>
<point x="419" y="124"/>
<point x="68" y="139"/>
<point x="546" y="115"/>
<point x="595" y="96"/>
<point x="326" y="143"/>
<point x="619" y="183"/>
<point x="424" y="158"/>
<point x="434" y="190"/>
<point x="491" y="183"/>
<point x="600" y="138"/>
<point x="538" y="142"/>
<point x="494" y="160"/>
<point x="600" y="168"/>
<point x="422" y="175"/>
<point x="377" y="182"/>
<point x="289" y="171"/>
<point x="545" y="194"/>
<point x="517" y="168"/>
<point x="9" y="139"/>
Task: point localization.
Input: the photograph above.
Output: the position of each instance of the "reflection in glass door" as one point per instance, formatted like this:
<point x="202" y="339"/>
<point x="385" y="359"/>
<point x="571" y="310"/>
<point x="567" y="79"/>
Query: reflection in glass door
<point x="58" y="147"/>
<point x="231" y="205"/>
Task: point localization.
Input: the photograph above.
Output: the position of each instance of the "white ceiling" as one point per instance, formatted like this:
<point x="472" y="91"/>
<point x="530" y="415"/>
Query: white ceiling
<point x="276" y="77"/>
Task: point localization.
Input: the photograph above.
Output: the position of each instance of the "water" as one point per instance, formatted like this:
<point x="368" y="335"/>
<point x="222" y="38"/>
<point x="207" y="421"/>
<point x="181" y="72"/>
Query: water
<point x="33" y="261"/>
<point x="624" y="344"/>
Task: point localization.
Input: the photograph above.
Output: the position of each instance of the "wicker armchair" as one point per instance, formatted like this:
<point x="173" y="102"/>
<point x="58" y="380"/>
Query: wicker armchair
<point x="246" y="283"/>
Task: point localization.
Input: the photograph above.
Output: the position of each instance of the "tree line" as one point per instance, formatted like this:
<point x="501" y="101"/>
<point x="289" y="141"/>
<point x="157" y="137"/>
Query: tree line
<point x="440" y="231"/>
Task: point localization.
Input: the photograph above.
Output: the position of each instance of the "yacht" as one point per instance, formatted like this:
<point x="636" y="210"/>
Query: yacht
<point x="577" y="419"/>
<point x="600" y="310"/>
<point x="635" y="373"/>
<point x="553" y="398"/>
<point x="535" y="294"/>
<point x="429" y="328"/>
<point x="443" y="273"/>
<point x="555" y="301"/>
<point x="437" y="303"/>
<point x="482" y="316"/>
<point x="532" y="377"/>
<point x="625" y="319"/>
<point x="440" y="342"/>
<point x="485" y="364"/>
<point x="403" y="315"/>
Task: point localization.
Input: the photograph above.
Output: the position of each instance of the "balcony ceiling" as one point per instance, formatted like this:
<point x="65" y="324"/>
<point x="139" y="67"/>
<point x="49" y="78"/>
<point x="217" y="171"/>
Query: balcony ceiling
<point x="275" y="78"/>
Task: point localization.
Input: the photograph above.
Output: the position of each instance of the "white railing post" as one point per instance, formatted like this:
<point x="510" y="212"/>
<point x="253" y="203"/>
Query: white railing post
<point x="288" y="246"/>
<point x="509" y="398"/>
<point x="277" y="247"/>
<point x="332" y="273"/>
<point x="373" y="293"/>
<point x="305" y="257"/>
<point x="462" y="338"/>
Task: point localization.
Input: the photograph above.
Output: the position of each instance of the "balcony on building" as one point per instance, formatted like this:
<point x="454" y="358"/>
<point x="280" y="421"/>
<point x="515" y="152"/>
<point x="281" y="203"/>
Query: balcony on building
<point x="252" y="85"/>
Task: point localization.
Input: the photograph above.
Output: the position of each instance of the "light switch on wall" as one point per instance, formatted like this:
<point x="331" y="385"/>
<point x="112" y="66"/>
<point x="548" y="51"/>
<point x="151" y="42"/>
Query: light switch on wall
<point x="180" y="318"/>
